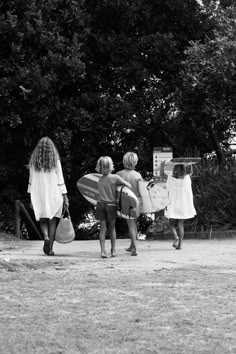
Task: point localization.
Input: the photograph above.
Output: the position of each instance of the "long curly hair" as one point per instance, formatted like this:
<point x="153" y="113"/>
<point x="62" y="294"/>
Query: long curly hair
<point x="45" y="155"/>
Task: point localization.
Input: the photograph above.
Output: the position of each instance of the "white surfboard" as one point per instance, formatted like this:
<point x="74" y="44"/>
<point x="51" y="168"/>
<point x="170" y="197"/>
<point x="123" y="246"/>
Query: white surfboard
<point x="154" y="197"/>
<point x="186" y="161"/>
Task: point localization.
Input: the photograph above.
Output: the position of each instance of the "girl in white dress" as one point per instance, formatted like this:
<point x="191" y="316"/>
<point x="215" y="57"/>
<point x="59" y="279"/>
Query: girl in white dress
<point x="47" y="189"/>
<point x="181" y="207"/>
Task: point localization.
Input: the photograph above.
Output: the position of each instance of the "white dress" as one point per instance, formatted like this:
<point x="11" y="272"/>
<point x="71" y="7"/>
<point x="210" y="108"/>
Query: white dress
<point x="181" y="198"/>
<point x="46" y="189"/>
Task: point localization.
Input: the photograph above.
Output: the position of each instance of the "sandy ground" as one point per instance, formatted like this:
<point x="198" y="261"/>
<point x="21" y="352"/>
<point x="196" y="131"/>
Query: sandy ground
<point x="152" y="254"/>
<point x="162" y="301"/>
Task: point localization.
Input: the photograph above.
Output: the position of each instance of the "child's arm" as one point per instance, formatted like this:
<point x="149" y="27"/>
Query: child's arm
<point x="121" y="182"/>
<point x="162" y="170"/>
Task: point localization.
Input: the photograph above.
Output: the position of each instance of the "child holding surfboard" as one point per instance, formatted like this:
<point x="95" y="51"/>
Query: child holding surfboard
<point x="181" y="205"/>
<point x="47" y="189"/>
<point x="129" y="174"/>
<point x="106" y="205"/>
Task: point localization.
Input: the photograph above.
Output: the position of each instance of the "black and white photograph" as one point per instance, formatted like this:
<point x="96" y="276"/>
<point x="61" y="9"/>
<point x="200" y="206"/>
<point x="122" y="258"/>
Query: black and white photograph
<point x="117" y="176"/>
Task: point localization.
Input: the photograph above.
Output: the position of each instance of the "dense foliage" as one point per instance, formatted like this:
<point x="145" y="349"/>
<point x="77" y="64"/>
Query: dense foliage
<point x="214" y="196"/>
<point x="208" y="96"/>
<point x="103" y="77"/>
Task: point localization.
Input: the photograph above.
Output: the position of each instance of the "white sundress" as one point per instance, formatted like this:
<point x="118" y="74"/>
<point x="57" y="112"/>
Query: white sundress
<point x="181" y="198"/>
<point x="46" y="189"/>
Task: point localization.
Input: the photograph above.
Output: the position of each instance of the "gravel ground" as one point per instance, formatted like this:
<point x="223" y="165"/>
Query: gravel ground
<point x="162" y="301"/>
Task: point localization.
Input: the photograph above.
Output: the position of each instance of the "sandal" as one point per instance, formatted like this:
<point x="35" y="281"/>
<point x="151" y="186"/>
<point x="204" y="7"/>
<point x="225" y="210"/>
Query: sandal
<point x="51" y="253"/>
<point x="46" y="246"/>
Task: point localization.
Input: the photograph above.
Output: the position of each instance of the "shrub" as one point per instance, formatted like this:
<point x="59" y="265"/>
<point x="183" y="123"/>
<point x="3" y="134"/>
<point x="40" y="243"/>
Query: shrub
<point x="214" y="191"/>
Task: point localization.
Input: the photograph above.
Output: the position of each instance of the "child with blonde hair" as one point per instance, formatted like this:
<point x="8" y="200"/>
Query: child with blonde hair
<point x="47" y="189"/>
<point x="130" y="160"/>
<point x="106" y="205"/>
<point x="181" y="205"/>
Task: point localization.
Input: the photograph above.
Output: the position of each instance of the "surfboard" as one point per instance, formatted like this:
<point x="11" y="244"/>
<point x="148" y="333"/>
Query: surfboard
<point x="187" y="161"/>
<point x="127" y="202"/>
<point x="154" y="197"/>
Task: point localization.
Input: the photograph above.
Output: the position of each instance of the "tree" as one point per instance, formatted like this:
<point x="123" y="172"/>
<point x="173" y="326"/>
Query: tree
<point x="135" y="51"/>
<point x="98" y="77"/>
<point x="208" y="96"/>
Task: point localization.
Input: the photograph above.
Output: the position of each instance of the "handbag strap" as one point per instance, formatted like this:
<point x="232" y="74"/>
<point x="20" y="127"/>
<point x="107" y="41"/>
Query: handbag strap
<point x="64" y="212"/>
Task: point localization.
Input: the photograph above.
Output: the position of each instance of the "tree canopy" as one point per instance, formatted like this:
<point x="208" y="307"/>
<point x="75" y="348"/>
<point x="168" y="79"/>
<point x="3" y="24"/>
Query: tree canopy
<point x="208" y="97"/>
<point x="103" y="77"/>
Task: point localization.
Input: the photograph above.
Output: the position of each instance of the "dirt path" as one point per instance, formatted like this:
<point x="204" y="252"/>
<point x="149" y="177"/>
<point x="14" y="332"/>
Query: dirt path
<point x="162" y="301"/>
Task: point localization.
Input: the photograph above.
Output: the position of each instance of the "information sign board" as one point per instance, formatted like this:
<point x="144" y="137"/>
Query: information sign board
<point x="161" y="154"/>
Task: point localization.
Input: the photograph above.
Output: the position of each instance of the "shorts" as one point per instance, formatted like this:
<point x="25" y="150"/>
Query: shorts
<point x="105" y="211"/>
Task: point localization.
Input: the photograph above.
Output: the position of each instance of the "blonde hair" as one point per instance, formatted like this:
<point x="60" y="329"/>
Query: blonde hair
<point x="130" y="160"/>
<point x="104" y="165"/>
<point x="44" y="156"/>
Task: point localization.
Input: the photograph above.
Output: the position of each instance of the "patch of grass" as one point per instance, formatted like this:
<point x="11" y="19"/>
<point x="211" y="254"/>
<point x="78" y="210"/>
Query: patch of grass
<point x="109" y="311"/>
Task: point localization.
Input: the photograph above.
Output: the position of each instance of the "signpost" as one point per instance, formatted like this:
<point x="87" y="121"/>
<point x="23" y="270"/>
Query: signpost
<point x="161" y="154"/>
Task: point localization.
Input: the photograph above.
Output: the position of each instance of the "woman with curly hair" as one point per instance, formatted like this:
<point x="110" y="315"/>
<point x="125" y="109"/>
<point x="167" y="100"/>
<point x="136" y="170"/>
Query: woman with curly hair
<point x="47" y="189"/>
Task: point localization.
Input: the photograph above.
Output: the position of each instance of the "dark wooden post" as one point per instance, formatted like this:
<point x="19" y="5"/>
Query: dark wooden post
<point x="17" y="219"/>
<point x="30" y="221"/>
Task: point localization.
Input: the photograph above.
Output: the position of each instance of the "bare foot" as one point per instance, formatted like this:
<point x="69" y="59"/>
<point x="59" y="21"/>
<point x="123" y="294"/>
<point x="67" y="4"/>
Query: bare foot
<point x="46" y="246"/>
<point x="103" y="255"/>
<point x="175" y="243"/>
<point x="134" y="253"/>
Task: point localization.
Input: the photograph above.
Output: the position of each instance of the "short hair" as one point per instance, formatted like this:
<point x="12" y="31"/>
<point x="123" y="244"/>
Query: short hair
<point x="130" y="160"/>
<point x="179" y="171"/>
<point x="104" y="165"/>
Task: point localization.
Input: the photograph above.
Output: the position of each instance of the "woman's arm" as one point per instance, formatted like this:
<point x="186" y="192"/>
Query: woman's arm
<point x="60" y="178"/>
<point x="65" y="201"/>
<point x="61" y="185"/>
<point x="30" y="181"/>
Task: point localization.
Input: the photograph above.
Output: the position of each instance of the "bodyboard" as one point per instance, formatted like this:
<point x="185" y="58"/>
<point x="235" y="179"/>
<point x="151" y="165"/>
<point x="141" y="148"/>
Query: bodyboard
<point x="127" y="202"/>
<point x="88" y="187"/>
<point x="154" y="197"/>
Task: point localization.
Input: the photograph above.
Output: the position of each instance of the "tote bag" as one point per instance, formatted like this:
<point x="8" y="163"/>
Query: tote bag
<point x="65" y="232"/>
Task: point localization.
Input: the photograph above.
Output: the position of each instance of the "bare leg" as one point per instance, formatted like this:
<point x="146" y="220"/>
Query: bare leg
<point x="52" y="230"/>
<point x="112" y="230"/>
<point x="174" y="232"/>
<point x="102" y="237"/>
<point x="181" y="233"/>
<point x="44" y="228"/>
<point x="133" y="236"/>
